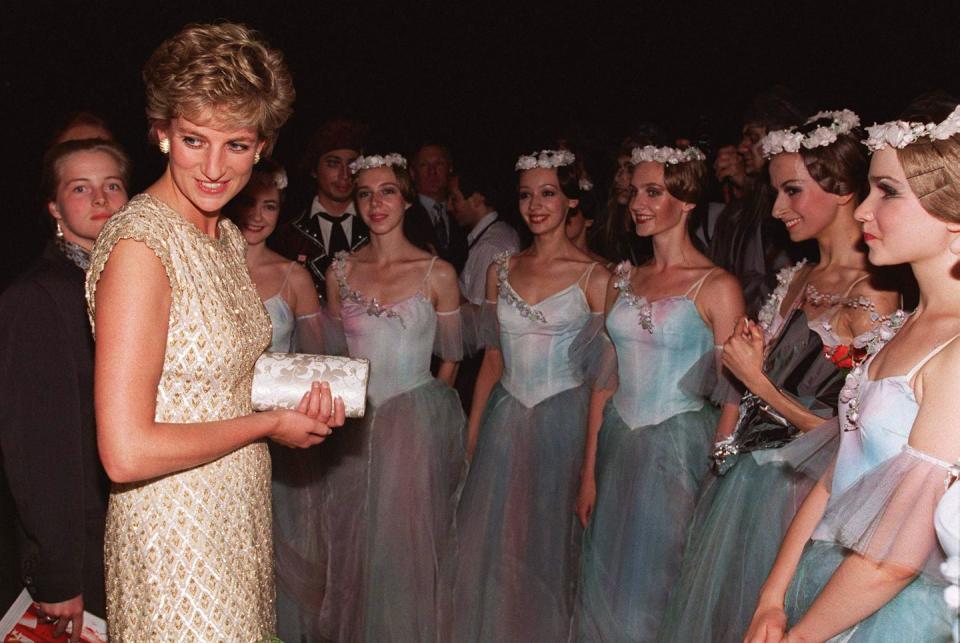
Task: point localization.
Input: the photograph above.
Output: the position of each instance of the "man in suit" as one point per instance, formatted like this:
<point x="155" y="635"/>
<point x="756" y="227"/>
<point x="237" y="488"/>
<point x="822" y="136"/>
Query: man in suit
<point x="327" y="222"/>
<point x="431" y="167"/>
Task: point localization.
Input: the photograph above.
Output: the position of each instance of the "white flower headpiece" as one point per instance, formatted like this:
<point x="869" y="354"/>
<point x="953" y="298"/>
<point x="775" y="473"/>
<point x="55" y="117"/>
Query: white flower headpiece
<point x="545" y="159"/>
<point x="666" y="155"/>
<point x="790" y="140"/>
<point x="370" y="162"/>
<point x="899" y="134"/>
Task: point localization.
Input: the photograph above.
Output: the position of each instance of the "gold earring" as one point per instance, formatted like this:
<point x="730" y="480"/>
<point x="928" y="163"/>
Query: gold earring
<point x="165" y="145"/>
<point x="256" y="157"/>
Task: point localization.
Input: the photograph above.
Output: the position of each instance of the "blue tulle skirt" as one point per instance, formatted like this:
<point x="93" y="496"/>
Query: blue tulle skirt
<point x="648" y="479"/>
<point x="918" y="614"/>
<point x="739" y="524"/>
<point x="519" y="537"/>
<point x="389" y="498"/>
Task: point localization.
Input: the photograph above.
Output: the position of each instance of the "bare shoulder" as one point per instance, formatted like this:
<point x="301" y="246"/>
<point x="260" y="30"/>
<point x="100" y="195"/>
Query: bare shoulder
<point x="721" y="283"/>
<point x="443" y="273"/>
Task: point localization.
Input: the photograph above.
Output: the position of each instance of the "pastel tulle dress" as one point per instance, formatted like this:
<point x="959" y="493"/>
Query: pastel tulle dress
<point x="390" y="488"/>
<point x="295" y="490"/>
<point x="653" y="452"/>
<point x="189" y="555"/>
<point x="743" y="514"/>
<point x="519" y="537"/>
<point x="883" y="495"/>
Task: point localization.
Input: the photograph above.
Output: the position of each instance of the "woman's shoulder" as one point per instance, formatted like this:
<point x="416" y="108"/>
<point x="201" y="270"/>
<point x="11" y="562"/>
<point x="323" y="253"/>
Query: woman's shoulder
<point x="142" y="215"/>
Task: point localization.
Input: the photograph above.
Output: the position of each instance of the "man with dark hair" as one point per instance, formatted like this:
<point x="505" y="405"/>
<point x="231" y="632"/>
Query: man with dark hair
<point x="328" y="223"/>
<point x="431" y="167"/>
<point x="470" y="203"/>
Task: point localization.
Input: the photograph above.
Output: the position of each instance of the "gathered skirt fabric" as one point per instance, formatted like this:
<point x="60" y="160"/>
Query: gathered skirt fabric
<point x="389" y="498"/>
<point x="519" y="538"/>
<point x="739" y="524"/>
<point x="918" y="614"/>
<point x="648" y="480"/>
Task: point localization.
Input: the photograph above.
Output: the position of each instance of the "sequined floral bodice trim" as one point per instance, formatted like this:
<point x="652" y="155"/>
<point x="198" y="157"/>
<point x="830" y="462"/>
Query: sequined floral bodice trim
<point x="644" y="307"/>
<point x="819" y="299"/>
<point x="370" y="305"/>
<point x="509" y="295"/>
<point x="871" y="341"/>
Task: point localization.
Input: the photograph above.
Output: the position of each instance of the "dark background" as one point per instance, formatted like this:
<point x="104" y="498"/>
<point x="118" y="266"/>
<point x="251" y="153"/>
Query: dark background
<point x="492" y="80"/>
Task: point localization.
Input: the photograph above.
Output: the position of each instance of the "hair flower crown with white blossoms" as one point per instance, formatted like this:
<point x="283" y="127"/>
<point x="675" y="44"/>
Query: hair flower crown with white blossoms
<point x="665" y="155"/>
<point x="790" y="140"/>
<point x="280" y="179"/>
<point x="899" y="134"/>
<point x="371" y="162"/>
<point x="546" y="159"/>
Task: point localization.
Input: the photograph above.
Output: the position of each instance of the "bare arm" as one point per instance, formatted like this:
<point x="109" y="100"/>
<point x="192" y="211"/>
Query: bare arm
<point x="743" y="355"/>
<point x="133" y="305"/>
<point x="723" y="306"/>
<point x="491" y="369"/>
<point x="446" y="301"/>
<point x="861" y="586"/>
<point x="306" y="301"/>
<point x="769" y="620"/>
<point x="587" y="494"/>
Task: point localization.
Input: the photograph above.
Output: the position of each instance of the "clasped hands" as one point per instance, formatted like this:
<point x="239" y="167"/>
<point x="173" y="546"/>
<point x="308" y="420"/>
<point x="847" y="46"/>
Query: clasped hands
<point x="743" y="353"/>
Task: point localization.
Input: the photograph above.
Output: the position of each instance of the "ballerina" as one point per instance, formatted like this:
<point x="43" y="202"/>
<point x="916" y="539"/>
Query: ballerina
<point x="518" y="537"/>
<point x="858" y="562"/>
<point x="643" y="467"/>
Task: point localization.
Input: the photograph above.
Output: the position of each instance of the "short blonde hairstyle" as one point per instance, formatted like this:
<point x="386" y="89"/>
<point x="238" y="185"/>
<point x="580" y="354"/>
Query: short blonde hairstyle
<point x="933" y="172"/>
<point x="219" y="73"/>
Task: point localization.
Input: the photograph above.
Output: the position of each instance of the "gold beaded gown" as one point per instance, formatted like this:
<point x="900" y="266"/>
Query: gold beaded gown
<point x="189" y="555"/>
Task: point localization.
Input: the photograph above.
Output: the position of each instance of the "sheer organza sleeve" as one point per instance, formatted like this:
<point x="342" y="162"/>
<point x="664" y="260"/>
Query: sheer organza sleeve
<point x="593" y="353"/>
<point x="308" y="334"/>
<point x="488" y="326"/>
<point x="888" y="514"/>
<point x="448" y="340"/>
<point x="333" y="338"/>
<point x="470" y="328"/>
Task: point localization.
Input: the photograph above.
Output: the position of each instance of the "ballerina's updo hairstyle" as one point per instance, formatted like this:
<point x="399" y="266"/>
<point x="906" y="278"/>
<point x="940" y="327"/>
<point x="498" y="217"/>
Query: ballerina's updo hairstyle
<point x="219" y="74"/>
<point x="838" y="168"/>
<point x="687" y="181"/>
<point x="933" y="167"/>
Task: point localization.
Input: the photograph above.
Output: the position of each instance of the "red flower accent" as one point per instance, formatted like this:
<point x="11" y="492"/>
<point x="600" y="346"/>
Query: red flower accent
<point x="844" y="356"/>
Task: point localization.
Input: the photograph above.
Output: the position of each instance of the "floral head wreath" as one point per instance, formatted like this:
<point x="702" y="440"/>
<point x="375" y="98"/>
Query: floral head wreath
<point x="665" y="155"/>
<point x="545" y="159"/>
<point x="370" y="162"/>
<point x="790" y="140"/>
<point x="279" y="179"/>
<point x="899" y="134"/>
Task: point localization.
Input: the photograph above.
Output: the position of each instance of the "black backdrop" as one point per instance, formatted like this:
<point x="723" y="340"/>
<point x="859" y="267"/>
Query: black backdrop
<point x="490" y="79"/>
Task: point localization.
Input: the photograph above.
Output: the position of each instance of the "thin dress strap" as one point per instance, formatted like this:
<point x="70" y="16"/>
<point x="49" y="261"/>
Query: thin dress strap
<point x="286" y="276"/>
<point x="425" y="285"/>
<point x="850" y="288"/>
<point x="697" y="285"/>
<point x="585" y="277"/>
<point x="926" y="358"/>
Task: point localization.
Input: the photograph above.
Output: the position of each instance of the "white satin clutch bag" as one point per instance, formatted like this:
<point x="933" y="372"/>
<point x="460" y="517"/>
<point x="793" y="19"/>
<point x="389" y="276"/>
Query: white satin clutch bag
<point x="281" y="379"/>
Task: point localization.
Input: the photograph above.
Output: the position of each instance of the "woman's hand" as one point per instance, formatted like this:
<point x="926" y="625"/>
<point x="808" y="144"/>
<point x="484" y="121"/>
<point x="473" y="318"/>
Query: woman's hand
<point x="313" y="420"/>
<point x="743" y="353"/>
<point x="64" y="613"/>
<point x="769" y="625"/>
<point x="586" y="499"/>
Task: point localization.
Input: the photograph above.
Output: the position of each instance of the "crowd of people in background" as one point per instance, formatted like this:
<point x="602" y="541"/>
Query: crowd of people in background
<point x="672" y="393"/>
